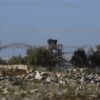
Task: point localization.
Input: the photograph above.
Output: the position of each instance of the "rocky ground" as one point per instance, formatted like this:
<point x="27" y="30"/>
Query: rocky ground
<point x="73" y="84"/>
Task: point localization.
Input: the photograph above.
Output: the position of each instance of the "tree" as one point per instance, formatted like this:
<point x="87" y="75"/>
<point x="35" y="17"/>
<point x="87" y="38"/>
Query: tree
<point x="79" y="58"/>
<point x="98" y="48"/>
<point x="40" y="56"/>
<point x="94" y="57"/>
<point x="30" y="54"/>
<point x="2" y="62"/>
<point x="90" y="54"/>
<point x="17" y="60"/>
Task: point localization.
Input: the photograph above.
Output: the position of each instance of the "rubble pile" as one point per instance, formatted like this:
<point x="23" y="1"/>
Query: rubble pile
<point x="69" y="77"/>
<point x="45" y="85"/>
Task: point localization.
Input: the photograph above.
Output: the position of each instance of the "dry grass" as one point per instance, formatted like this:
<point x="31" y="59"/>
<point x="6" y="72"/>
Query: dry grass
<point x="35" y="90"/>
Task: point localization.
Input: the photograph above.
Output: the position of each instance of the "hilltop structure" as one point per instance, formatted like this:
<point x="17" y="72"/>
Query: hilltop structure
<point x="56" y="50"/>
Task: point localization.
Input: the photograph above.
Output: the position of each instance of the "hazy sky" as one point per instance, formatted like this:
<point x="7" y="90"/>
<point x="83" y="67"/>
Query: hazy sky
<point x="34" y="21"/>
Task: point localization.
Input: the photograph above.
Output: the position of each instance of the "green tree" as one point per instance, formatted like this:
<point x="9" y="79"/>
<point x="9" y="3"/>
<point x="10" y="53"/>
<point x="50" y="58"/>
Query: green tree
<point x="90" y="54"/>
<point x="94" y="57"/>
<point x="98" y="48"/>
<point x="79" y="58"/>
<point x="30" y="55"/>
<point x="40" y="56"/>
<point x="2" y="62"/>
<point x="17" y="60"/>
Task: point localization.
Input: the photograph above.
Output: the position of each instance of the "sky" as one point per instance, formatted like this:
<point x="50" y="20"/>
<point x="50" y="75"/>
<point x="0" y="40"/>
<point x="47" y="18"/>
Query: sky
<point x="72" y="22"/>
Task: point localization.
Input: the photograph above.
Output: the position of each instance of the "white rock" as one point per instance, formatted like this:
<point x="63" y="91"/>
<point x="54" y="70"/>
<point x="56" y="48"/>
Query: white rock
<point x="5" y="90"/>
<point x="48" y="79"/>
<point x="3" y="98"/>
<point x="38" y="76"/>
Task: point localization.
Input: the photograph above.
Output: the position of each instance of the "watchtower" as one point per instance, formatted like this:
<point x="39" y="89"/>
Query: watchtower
<point x="56" y="50"/>
<point x="52" y="44"/>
